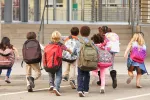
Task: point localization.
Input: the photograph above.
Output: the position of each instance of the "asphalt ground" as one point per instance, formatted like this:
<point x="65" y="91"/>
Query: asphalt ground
<point x="17" y="89"/>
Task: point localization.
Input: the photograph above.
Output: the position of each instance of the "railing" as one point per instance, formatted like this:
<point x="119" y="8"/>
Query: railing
<point x="135" y="12"/>
<point x="140" y="13"/>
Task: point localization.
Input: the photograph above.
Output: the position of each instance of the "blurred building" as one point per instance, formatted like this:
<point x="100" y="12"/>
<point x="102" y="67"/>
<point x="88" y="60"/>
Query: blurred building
<point x="75" y="10"/>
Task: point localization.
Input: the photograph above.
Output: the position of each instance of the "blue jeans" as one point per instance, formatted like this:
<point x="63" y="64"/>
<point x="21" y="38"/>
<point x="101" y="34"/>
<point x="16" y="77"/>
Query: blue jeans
<point x="8" y="72"/>
<point x="55" y="82"/>
<point x="83" y="80"/>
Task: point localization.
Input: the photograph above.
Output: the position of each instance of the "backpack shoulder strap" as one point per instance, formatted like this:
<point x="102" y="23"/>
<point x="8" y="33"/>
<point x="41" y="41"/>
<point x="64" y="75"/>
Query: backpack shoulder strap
<point x="71" y="37"/>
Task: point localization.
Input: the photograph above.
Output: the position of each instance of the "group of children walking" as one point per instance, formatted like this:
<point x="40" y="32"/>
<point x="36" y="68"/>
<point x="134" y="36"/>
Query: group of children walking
<point x="94" y="54"/>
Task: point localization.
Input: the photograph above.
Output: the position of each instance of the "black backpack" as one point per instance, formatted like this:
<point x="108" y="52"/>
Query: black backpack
<point x="31" y="51"/>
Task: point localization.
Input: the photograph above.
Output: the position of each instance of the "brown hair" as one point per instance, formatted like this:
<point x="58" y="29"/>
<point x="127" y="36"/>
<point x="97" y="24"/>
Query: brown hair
<point x="31" y="35"/>
<point x="85" y="31"/>
<point x="97" y="39"/>
<point x="74" y="31"/>
<point x="109" y="30"/>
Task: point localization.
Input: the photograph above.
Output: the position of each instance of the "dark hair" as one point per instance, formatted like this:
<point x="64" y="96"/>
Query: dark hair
<point x="74" y="31"/>
<point x="5" y="42"/>
<point x="85" y="31"/>
<point x="97" y="39"/>
<point x="104" y="29"/>
<point x="100" y="30"/>
<point x="109" y="30"/>
<point x="31" y="35"/>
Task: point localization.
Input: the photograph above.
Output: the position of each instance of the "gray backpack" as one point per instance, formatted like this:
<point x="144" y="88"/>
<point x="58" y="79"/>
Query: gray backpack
<point x="88" y="56"/>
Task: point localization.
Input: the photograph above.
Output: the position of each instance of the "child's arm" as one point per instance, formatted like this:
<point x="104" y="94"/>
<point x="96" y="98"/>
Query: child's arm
<point x="69" y="51"/>
<point x="127" y="50"/>
<point x="16" y="52"/>
<point x="66" y="49"/>
<point x="42" y="47"/>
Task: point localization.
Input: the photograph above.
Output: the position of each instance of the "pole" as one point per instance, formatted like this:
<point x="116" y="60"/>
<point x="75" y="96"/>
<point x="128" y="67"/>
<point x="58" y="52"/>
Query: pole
<point x="82" y="10"/>
<point x="54" y="10"/>
<point x="100" y="10"/>
<point x="68" y="10"/>
<point x="47" y="11"/>
<point x="92" y="10"/>
<point x="42" y="25"/>
<point x="36" y="10"/>
<point x="8" y="11"/>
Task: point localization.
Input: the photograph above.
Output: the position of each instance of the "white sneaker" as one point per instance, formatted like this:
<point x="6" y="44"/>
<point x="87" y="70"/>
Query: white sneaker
<point x="81" y="94"/>
<point x="86" y="92"/>
<point x="56" y="92"/>
<point x="51" y="88"/>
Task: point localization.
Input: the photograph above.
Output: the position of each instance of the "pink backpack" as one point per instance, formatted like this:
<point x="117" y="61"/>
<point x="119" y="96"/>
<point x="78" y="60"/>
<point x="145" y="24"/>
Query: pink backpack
<point x="105" y="57"/>
<point x="138" y="53"/>
<point x="7" y="58"/>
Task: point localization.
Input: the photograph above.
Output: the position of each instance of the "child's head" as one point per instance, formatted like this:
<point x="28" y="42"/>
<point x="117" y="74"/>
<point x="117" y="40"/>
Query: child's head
<point x="74" y="31"/>
<point x="31" y="35"/>
<point x="5" y="42"/>
<point x="97" y="39"/>
<point x="85" y="31"/>
<point x="56" y="36"/>
<point x="139" y="38"/>
<point x="100" y="30"/>
<point x="104" y="29"/>
<point x="109" y="30"/>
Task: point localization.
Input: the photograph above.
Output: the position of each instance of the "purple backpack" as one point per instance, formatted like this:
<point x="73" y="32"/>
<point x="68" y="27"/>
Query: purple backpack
<point x="138" y="53"/>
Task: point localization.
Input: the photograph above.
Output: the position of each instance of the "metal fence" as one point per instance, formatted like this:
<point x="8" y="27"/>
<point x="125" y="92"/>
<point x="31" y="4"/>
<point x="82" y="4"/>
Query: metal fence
<point x="108" y="14"/>
<point x="134" y="11"/>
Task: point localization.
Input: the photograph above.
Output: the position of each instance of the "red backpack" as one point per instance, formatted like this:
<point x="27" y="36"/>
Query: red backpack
<point x="7" y="58"/>
<point x="52" y="58"/>
<point x="31" y="51"/>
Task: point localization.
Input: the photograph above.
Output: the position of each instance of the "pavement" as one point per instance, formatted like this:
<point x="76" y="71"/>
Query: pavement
<point x="17" y="89"/>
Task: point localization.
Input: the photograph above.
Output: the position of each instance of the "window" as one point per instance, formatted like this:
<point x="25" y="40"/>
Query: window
<point x="111" y="1"/>
<point x="59" y="3"/>
<point x="16" y="10"/>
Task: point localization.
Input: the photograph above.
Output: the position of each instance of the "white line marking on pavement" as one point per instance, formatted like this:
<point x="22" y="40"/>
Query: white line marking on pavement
<point x="6" y="94"/>
<point x="137" y="96"/>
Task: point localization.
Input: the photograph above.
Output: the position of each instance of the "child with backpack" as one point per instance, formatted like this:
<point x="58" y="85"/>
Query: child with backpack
<point x="31" y="52"/>
<point x="136" y="54"/>
<point x="105" y="60"/>
<point x="70" y="60"/>
<point x="112" y="47"/>
<point x="88" y="58"/>
<point x="52" y="61"/>
<point x="7" y="57"/>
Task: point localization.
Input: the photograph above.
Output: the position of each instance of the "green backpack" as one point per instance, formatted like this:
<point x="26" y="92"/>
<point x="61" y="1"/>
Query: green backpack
<point x="88" y="56"/>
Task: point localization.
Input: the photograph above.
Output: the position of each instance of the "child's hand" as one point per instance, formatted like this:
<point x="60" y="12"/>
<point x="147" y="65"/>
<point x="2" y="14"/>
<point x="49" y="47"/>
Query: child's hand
<point x="125" y="56"/>
<point x="17" y="57"/>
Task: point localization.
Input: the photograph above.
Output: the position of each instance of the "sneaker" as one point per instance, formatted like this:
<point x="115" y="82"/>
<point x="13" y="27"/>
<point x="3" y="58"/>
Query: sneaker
<point x="86" y="92"/>
<point x="51" y="88"/>
<point x="65" y="79"/>
<point x="31" y="81"/>
<point x="57" y="92"/>
<point x="7" y="81"/>
<point x="72" y="83"/>
<point x="81" y="94"/>
<point x="102" y="91"/>
<point x="29" y="88"/>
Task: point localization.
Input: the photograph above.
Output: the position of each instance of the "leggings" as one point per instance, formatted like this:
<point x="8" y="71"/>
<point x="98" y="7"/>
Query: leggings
<point x="102" y="77"/>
